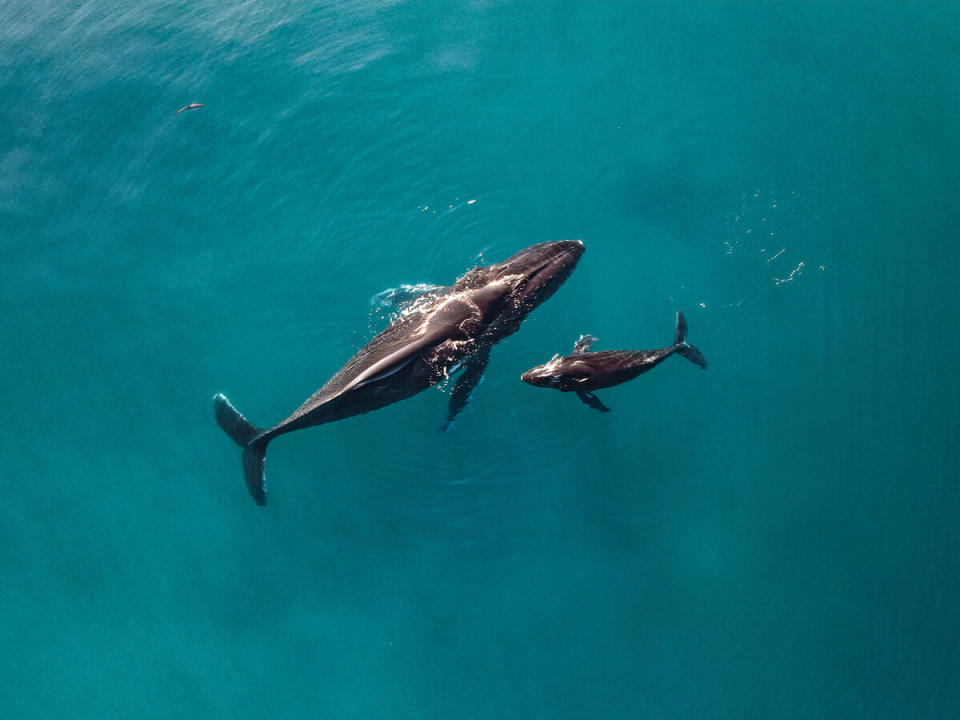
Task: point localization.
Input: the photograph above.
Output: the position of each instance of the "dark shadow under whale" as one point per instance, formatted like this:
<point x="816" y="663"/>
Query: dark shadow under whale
<point x="583" y="371"/>
<point x="454" y="327"/>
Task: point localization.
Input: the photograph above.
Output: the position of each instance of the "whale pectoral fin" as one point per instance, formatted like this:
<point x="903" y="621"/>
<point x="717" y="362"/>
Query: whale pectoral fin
<point x="388" y="370"/>
<point x="583" y="344"/>
<point x="471" y="376"/>
<point x="591" y="400"/>
<point x="393" y="362"/>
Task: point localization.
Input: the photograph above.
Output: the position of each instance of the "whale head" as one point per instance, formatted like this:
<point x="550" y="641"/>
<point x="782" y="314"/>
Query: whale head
<point x="536" y="272"/>
<point x="514" y="287"/>
<point x="548" y="375"/>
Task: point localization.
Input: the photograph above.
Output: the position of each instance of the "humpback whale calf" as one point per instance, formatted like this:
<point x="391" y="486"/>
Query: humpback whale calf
<point x="585" y="371"/>
<point x="454" y="327"/>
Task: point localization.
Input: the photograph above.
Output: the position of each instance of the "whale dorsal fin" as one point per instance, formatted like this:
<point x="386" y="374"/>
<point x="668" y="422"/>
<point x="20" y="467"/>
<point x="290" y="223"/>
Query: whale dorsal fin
<point x="583" y="344"/>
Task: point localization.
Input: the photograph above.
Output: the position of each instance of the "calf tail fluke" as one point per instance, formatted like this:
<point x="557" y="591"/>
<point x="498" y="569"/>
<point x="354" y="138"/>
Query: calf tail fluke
<point x="684" y="348"/>
<point x="251" y="439"/>
<point x="681" y="332"/>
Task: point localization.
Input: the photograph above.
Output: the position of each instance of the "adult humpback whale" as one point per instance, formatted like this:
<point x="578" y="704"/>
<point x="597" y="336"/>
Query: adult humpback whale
<point x="585" y="371"/>
<point x="455" y="326"/>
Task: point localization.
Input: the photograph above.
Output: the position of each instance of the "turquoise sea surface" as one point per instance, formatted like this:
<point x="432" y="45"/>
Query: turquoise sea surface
<point x="775" y="537"/>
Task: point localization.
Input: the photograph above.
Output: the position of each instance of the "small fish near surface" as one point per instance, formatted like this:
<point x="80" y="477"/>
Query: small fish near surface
<point x="583" y="371"/>
<point x="452" y="327"/>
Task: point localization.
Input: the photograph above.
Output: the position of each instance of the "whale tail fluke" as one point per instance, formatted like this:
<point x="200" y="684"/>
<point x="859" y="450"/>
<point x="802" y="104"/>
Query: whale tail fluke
<point x="254" y="460"/>
<point x="233" y="423"/>
<point x="683" y="347"/>
<point x="251" y="439"/>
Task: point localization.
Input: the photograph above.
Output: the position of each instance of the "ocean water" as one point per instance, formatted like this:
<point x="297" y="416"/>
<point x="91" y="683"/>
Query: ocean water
<point x="775" y="537"/>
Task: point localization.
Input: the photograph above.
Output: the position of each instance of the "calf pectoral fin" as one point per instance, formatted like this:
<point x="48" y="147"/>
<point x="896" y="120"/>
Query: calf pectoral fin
<point x="471" y="376"/>
<point x="584" y="344"/>
<point x="591" y="400"/>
